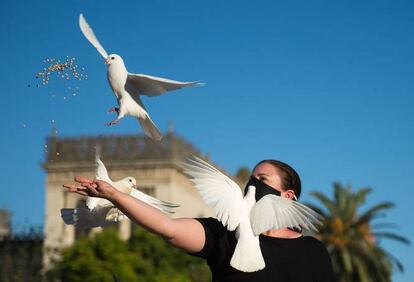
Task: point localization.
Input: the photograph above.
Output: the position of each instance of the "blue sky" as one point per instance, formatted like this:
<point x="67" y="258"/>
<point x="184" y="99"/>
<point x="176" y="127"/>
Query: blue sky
<point x="324" y="86"/>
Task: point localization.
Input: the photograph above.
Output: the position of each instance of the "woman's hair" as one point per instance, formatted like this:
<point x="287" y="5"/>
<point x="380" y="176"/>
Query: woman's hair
<point x="290" y="178"/>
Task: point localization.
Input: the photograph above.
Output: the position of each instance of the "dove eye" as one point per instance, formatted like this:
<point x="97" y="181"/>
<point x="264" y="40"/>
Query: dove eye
<point x="130" y="180"/>
<point x="113" y="58"/>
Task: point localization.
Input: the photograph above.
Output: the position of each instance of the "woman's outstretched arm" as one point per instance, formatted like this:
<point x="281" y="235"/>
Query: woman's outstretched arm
<point x="184" y="233"/>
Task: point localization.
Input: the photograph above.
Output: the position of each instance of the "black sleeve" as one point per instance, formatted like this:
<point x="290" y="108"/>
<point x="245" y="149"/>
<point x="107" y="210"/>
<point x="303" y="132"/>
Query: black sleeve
<point x="213" y="230"/>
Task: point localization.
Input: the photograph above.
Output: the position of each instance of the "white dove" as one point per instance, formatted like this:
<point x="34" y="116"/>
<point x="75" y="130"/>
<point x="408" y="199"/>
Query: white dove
<point x="244" y="215"/>
<point x="101" y="212"/>
<point x="127" y="87"/>
<point x="125" y="185"/>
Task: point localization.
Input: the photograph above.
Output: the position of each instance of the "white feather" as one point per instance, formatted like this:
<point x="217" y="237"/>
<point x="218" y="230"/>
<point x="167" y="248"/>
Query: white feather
<point x="142" y="84"/>
<point x="275" y="212"/>
<point x="217" y="190"/>
<point x="163" y="206"/>
<point x="231" y="209"/>
<point x="90" y="35"/>
<point x="101" y="173"/>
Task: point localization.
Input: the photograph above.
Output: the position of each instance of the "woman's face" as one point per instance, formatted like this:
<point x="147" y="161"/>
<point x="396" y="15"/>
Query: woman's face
<point x="268" y="174"/>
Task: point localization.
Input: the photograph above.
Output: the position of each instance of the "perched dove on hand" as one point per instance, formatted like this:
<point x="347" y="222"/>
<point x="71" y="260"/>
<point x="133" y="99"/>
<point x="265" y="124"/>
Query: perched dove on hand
<point x="248" y="217"/>
<point x="128" y="87"/>
<point x="125" y="185"/>
<point x="101" y="212"/>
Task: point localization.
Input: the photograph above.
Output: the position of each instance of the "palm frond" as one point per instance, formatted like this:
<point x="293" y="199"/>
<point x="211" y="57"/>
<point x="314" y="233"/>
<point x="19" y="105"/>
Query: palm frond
<point x="361" y="195"/>
<point x="325" y="201"/>
<point x="346" y="259"/>
<point x="395" y="261"/>
<point x="385" y="225"/>
<point x="361" y="270"/>
<point x="393" y="236"/>
<point x="373" y="212"/>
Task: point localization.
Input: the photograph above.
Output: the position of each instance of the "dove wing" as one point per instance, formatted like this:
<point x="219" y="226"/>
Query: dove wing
<point x="101" y="173"/>
<point x="161" y="205"/>
<point x="142" y="84"/>
<point x="217" y="190"/>
<point x="88" y="32"/>
<point x="98" y="217"/>
<point x="275" y="212"/>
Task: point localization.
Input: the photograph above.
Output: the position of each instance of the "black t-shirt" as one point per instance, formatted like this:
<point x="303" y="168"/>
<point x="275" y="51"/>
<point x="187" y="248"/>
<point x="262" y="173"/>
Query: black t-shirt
<point x="303" y="259"/>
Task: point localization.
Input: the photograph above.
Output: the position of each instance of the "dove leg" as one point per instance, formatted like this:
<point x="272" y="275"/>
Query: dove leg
<point x="113" y="110"/>
<point x="120" y="114"/>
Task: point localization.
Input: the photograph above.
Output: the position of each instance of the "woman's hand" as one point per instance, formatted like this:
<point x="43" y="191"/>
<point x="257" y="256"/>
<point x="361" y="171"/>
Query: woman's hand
<point x="92" y="188"/>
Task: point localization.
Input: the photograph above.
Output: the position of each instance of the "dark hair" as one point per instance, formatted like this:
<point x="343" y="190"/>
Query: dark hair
<point x="290" y="178"/>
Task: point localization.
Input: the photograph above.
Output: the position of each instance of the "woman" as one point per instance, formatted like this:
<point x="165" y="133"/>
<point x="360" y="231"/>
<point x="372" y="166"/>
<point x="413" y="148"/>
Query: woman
<point x="288" y="255"/>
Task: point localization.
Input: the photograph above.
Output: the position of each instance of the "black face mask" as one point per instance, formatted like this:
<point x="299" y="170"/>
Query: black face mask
<point x="262" y="189"/>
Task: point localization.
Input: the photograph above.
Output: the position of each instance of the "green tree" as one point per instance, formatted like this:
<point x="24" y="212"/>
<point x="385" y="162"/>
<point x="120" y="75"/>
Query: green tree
<point x="352" y="238"/>
<point x="145" y="257"/>
<point x="21" y="256"/>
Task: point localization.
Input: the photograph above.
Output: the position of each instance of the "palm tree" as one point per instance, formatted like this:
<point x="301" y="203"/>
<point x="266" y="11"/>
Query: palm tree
<point x="352" y="239"/>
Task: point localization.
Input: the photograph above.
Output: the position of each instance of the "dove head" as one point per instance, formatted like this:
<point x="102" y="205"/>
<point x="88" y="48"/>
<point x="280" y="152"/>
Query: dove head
<point x="114" y="60"/>
<point x="129" y="182"/>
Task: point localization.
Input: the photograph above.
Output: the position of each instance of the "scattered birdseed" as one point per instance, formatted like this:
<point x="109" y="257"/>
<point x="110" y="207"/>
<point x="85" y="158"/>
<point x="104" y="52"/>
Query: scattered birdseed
<point x="67" y="69"/>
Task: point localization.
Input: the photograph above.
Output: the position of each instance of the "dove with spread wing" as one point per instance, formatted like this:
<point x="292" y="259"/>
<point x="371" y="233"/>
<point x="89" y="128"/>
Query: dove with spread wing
<point x="101" y="212"/>
<point x="128" y="87"/>
<point x="244" y="215"/>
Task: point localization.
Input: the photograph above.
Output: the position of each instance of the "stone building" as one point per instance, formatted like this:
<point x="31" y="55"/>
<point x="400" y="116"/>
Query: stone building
<point x="157" y="167"/>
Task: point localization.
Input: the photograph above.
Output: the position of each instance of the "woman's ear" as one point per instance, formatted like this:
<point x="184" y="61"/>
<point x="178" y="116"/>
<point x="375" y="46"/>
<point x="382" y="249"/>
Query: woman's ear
<point x="290" y="194"/>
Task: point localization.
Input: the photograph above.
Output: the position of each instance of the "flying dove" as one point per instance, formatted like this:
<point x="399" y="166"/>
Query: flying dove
<point x="128" y="87"/>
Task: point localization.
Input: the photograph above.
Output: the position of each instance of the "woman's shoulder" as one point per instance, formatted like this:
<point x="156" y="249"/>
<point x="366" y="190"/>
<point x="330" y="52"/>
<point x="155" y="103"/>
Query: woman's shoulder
<point x="313" y="244"/>
<point x="312" y="241"/>
<point x="213" y="225"/>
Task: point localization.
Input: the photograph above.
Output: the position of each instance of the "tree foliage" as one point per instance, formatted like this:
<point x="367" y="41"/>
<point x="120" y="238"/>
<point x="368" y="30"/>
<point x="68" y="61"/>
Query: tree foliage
<point x="145" y="257"/>
<point x="21" y="256"/>
<point x="351" y="237"/>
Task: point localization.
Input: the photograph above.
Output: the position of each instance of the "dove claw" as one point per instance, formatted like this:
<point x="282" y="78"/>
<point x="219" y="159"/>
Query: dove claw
<point x="112" y="123"/>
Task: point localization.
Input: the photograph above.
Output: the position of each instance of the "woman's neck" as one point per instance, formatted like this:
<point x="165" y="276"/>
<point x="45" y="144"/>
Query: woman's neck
<point x="283" y="233"/>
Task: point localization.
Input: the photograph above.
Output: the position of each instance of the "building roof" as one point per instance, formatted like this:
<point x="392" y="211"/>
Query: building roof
<point x="65" y="152"/>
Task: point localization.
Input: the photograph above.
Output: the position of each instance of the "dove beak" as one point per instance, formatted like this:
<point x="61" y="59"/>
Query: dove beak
<point x="107" y="61"/>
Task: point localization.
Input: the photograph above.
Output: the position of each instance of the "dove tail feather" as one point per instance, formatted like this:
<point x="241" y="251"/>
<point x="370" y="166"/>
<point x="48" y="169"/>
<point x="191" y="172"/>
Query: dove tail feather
<point x="247" y="256"/>
<point x="84" y="218"/>
<point x="68" y="216"/>
<point x="150" y="128"/>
